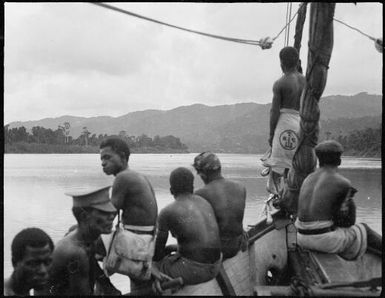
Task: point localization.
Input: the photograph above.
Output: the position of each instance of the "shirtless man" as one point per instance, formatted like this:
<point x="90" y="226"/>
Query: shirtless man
<point x="191" y="220"/>
<point x="228" y="200"/>
<point x="74" y="266"/>
<point x="31" y="259"/>
<point x="284" y="119"/>
<point x="131" y="192"/>
<point x="326" y="210"/>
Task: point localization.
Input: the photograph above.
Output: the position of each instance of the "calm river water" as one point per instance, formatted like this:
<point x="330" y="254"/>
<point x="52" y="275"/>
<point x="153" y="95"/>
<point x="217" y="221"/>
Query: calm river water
<point x="34" y="186"/>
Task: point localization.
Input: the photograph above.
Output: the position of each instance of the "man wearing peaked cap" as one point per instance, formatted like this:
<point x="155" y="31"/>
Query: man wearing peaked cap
<point x="74" y="267"/>
<point x="228" y="200"/>
<point x="98" y="199"/>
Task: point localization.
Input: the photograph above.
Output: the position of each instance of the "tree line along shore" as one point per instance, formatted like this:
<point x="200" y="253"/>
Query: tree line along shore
<point x="359" y="143"/>
<point x="43" y="140"/>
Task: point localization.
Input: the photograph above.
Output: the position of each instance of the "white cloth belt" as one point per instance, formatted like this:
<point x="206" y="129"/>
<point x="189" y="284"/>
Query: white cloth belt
<point x="139" y="228"/>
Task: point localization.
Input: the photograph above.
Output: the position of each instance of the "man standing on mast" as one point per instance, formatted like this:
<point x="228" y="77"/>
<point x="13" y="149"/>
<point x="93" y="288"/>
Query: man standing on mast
<point x="284" y="119"/>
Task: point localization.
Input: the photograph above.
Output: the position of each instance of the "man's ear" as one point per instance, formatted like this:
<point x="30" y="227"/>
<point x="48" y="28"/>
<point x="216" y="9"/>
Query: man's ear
<point x="171" y="191"/>
<point x="84" y="216"/>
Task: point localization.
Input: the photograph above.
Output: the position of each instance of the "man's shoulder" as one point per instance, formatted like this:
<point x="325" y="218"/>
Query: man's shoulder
<point x="128" y="173"/>
<point x="278" y="83"/>
<point x="342" y="180"/>
<point x="168" y="209"/>
<point x="234" y="185"/>
<point x="69" y="248"/>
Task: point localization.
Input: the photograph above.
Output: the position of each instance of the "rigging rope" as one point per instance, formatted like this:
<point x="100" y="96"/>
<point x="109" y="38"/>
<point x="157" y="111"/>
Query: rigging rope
<point x="288" y="27"/>
<point x="370" y="37"/>
<point x="377" y="41"/>
<point x="246" y="41"/>
<point x="264" y="43"/>
<point x="288" y="22"/>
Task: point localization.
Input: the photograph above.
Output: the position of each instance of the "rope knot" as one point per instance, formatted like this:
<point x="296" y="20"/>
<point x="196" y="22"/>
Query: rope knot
<point x="266" y="43"/>
<point x="379" y="45"/>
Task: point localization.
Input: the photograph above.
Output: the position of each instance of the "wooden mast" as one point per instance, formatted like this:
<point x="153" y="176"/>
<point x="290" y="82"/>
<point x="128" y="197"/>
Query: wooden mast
<point x="301" y="17"/>
<point x="320" y="49"/>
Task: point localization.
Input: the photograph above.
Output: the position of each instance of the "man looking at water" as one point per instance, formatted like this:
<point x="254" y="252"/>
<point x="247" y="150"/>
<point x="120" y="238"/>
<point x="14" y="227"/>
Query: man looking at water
<point x="191" y="220"/>
<point x="74" y="265"/>
<point x="284" y="119"/>
<point x="31" y="259"/>
<point x="131" y="192"/>
<point x="327" y="212"/>
<point x="228" y="200"/>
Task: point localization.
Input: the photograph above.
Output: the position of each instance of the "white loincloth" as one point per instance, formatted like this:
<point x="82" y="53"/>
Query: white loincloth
<point x="285" y="141"/>
<point x="350" y="243"/>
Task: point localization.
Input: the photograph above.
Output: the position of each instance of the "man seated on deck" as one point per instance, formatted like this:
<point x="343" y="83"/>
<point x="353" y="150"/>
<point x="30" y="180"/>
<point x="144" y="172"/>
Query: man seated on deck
<point x="133" y="194"/>
<point x="228" y="199"/>
<point x="74" y="268"/>
<point x="191" y="220"/>
<point x="327" y="212"/>
<point x="284" y="120"/>
<point x="31" y="259"/>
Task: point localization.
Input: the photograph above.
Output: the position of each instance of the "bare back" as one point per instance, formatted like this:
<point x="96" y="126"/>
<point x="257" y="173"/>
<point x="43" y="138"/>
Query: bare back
<point x="286" y="95"/>
<point x="228" y="199"/>
<point x="133" y="193"/>
<point x="191" y="220"/>
<point x="290" y="88"/>
<point x="321" y="194"/>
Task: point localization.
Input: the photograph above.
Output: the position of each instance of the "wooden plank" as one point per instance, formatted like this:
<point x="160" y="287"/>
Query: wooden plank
<point x="339" y="270"/>
<point x="315" y="291"/>
<point x="225" y="283"/>
<point x="270" y="252"/>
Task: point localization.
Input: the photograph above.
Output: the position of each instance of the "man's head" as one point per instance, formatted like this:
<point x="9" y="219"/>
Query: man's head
<point x="94" y="209"/>
<point x="289" y="58"/>
<point x="181" y="181"/>
<point x="207" y="165"/>
<point x="114" y="154"/>
<point x="31" y="257"/>
<point x="329" y="153"/>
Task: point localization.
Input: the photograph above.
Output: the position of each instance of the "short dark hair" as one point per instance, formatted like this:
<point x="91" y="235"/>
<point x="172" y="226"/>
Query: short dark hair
<point x="329" y="158"/>
<point x="33" y="237"/>
<point x="78" y="211"/>
<point x="289" y="57"/>
<point x="329" y="153"/>
<point x="181" y="181"/>
<point x="118" y="145"/>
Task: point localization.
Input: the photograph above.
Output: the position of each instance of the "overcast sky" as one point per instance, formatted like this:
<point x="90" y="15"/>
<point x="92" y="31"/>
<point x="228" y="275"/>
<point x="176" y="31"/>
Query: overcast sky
<point x="83" y="60"/>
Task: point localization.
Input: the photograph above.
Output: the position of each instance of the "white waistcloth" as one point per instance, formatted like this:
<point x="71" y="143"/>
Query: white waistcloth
<point x="350" y="243"/>
<point x="285" y="140"/>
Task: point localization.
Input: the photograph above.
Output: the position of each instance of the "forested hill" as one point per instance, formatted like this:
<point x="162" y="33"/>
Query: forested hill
<point x="241" y="128"/>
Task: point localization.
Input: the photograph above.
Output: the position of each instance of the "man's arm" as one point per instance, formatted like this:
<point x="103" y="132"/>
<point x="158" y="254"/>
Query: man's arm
<point x="345" y="215"/>
<point x="162" y="235"/>
<point x="274" y="111"/>
<point x="75" y="263"/>
<point x="104" y="283"/>
<point x="120" y="191"/>
<point x="78" y="272"/>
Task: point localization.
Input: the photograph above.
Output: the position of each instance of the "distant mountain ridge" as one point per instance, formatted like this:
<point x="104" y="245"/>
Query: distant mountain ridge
<point x="241" y="127"/>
